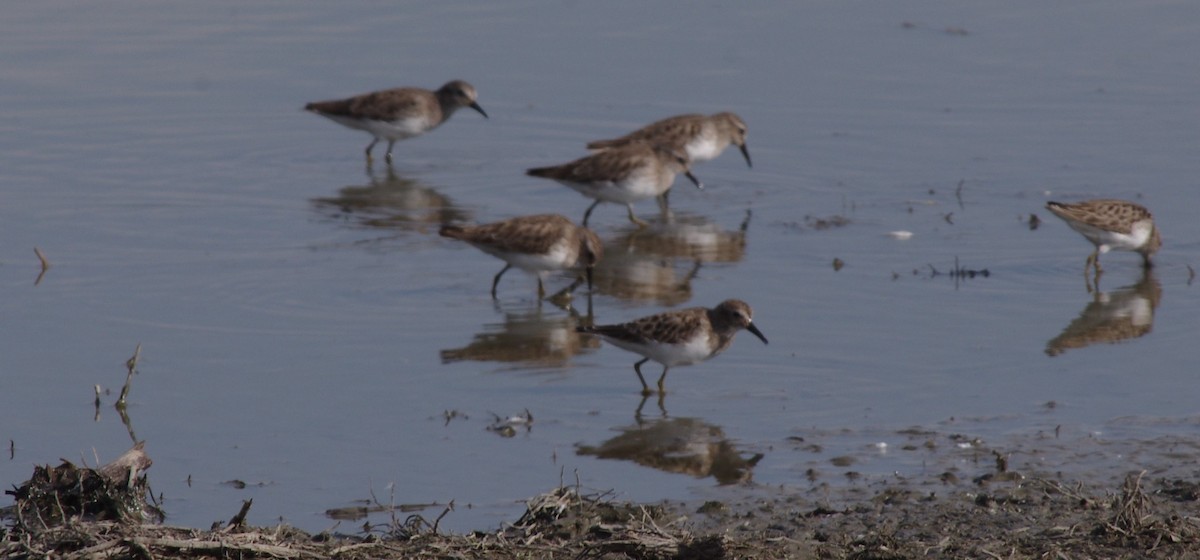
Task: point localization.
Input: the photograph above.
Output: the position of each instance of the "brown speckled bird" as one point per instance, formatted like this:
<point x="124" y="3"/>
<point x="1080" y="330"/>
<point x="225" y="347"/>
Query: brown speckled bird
<point x="1111" y="224"/>
<point x="397" y="114"/>
<point x="701" y="137"/>
<point x="538" y="244"/>
<point x="678" y="338"/>
<point x="623" y="175"/>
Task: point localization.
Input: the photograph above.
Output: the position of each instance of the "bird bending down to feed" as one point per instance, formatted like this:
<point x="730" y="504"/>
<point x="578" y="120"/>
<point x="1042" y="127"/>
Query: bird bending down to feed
<point x="1111" y="224"/>
<point x="538" y="244"/>
<point x="622" y="175"/>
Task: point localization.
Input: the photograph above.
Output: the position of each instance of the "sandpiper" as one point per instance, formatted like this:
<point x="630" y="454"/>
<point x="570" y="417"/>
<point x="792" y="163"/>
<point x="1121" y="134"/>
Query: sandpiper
<point x="538" y="244"/>
<point x="678" y="338"/>
<point x="1111" y="224"/>
<point x="623" y="175"/>
<point x="701" y="137"/>
<point x="397" y="114"/>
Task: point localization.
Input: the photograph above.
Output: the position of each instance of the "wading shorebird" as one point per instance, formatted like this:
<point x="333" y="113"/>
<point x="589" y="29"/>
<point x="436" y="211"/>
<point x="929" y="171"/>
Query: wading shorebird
<point x="1111" y="224"/>
<point x="622" y="175"/>
<point x="537" y="244"/>
<point x="679" y="338"/>
<point x="701" y="137"/>
<point x="397" y="114"/>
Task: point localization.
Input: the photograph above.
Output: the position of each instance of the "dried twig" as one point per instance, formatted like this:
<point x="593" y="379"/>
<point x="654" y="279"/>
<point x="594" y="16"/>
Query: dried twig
<point x="240" y="519"/>
<point x="1129" y="517"/>
<point x="131" y="367"/>
<point x="97" y="402"/>
<point x="45" y="265"/>
<point x="449" y="508"/>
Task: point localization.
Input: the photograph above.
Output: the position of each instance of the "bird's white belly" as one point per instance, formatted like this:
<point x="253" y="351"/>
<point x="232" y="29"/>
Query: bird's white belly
<point x="704" y="149"/>
<point x="389" y="130"/>
<point x="1111" y="240"/>
<point x="557" y="258"/>
<point x="693" y="351"/>
<point x="627" y="191"/>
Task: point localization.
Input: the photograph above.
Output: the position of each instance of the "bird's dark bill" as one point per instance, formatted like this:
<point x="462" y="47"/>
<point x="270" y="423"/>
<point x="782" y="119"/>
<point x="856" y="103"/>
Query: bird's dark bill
<point x="746" y="154"/>
<point x="752" y="328"/>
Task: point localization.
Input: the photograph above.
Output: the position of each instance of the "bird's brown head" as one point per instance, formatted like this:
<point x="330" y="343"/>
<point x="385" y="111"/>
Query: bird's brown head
<point x="677" y="161"/>
<point x="460" y="94"/>
<point x="735" y="127"/>
<point x="738" y="313"/>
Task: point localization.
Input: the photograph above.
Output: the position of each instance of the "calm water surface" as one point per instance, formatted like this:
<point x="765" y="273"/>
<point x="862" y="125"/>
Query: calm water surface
<point x="305" y="331"/>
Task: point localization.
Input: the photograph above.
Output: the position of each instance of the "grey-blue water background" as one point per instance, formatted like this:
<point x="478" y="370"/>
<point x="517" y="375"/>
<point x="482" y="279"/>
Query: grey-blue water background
<point x="305" y="331"/>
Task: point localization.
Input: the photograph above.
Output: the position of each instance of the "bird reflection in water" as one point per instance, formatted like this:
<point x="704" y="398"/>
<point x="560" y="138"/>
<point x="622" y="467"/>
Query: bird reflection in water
<point x="528" y="339"/>
<point x="1122" y="314"/>
<point x="678" y="445"/>
<point x="656" y="264"/>
<point x="390" y="201"/>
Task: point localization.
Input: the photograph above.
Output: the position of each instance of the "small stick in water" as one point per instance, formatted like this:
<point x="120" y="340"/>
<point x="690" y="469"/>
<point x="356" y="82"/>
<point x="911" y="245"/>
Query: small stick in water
<point x="131" y="366"/>
<point x="45" y="265"/>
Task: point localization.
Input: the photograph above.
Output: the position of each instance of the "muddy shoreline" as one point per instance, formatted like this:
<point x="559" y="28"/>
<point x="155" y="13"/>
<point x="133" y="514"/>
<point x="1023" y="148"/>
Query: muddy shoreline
<point x="1000" y="513"/>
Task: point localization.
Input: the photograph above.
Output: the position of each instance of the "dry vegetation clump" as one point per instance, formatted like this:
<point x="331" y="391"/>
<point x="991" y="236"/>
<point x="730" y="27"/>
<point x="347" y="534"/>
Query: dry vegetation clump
<point x="117" y="491"/>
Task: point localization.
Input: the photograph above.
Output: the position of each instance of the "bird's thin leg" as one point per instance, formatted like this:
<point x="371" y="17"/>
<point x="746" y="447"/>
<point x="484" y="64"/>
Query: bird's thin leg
<point x="638" y="369"/>
<point x="635" y="219"/>
<point x="637" y="414"/>
<point x="664" y="208"/>
<point x="588" y="214"/>
<point x="661" y="379"/>
<point x="541" y="290"/>
<point x="1092" y="271"/>
<point x="368" y="150"/>
<point x="496" y="280"/>
<point x="691" y="275"/>
<point x="389" y="154"/>
<point x="1094" y="259"/>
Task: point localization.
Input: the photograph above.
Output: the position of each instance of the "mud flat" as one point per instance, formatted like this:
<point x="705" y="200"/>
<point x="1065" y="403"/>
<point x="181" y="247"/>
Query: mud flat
<point x="1001" y="513"/>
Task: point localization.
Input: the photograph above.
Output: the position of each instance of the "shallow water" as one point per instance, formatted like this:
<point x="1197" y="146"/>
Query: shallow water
<point x="305" y="331"/>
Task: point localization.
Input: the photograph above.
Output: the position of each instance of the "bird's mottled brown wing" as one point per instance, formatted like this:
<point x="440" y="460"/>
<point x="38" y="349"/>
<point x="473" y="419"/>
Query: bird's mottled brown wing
<point x="525" y="234"/>
<point x="670" y="132"/>
<point x="1107" y="214"/>
<point x="379" y="105"/>
<point x="668" y="328"/>
<point x="609" y="165"/>
<point x="393" y="103"/>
